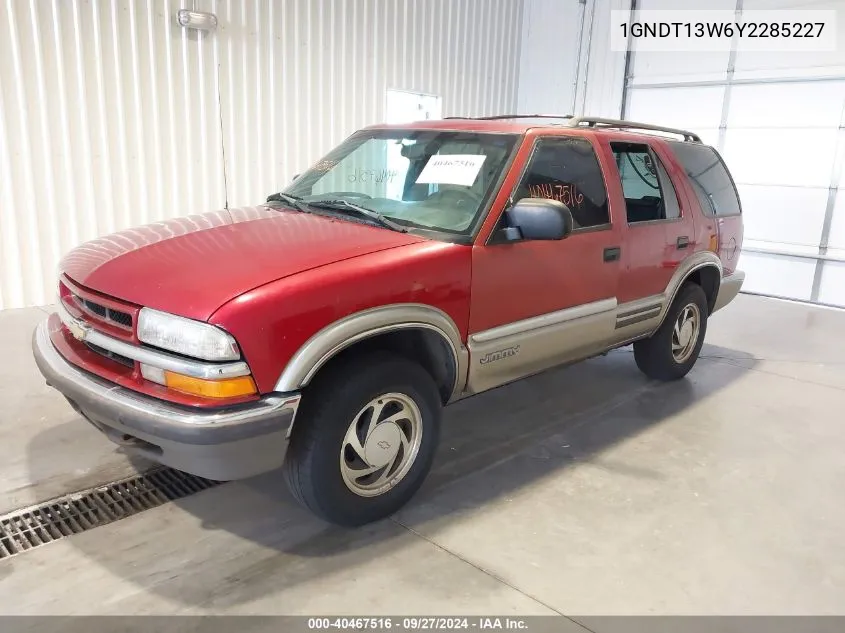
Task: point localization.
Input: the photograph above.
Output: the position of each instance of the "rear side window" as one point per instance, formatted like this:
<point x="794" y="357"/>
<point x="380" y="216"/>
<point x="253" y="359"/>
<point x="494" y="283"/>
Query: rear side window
<point x="648" y="190"/>
<point x="567" y="170"/>
<point x="709" y="177"/>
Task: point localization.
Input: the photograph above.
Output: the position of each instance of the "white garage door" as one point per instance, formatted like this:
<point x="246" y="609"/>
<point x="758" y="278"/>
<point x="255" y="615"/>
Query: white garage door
<point x="778" y="120"/>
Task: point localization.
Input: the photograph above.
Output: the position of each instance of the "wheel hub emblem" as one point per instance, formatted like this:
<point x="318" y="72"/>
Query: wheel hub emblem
<point x="382" y="444"/>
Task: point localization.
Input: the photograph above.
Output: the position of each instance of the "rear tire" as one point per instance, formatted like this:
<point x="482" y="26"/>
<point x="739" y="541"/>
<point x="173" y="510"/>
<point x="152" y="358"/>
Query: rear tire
<point x="672" y="350"/>
<point x="364" y="439"/>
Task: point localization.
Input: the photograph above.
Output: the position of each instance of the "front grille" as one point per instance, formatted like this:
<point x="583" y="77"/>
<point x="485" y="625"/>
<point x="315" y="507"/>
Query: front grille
<point x="118" y="317"/>
<point x="123" y="360"/>
<point x="96" y="308"/>
<point x="122" y="318"/>
<point x="32" y="527"/>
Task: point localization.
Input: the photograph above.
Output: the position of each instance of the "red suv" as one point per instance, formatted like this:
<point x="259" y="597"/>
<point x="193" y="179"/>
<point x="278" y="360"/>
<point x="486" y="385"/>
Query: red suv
<point x="412" y="266"/>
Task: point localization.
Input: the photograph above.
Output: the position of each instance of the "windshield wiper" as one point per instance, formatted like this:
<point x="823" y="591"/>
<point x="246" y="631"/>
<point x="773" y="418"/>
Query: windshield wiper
<point x="339" y="204"/>
<point x="293" y="201"/>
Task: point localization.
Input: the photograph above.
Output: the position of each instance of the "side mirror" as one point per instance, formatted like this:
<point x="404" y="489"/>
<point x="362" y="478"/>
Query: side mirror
<point x="538" y="219"/>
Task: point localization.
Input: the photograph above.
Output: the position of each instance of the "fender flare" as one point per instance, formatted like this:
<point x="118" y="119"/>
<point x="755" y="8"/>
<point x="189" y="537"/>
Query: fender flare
<point x="695" y="262"/>
<point x="337" y="336"/>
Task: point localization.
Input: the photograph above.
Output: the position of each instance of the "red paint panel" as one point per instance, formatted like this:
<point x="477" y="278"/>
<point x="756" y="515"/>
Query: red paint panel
<point x="192" y="266"/>
<point x="730" y="234"/>
<point x="511" y="282"/>
<point x="272" y="322"/>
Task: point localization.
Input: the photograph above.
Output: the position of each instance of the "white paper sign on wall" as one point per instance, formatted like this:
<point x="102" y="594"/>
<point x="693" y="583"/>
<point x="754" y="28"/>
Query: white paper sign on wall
<point x="452" y="169"/>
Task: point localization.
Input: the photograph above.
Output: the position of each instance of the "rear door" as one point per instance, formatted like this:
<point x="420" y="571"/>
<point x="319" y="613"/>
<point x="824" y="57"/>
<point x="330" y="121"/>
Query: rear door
<point x="659" y="226"/>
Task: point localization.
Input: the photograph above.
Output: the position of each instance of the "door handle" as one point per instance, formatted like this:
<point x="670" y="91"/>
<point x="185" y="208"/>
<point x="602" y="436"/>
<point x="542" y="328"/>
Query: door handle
<point x="682" y="242"/>
<point x="612" y="253"/>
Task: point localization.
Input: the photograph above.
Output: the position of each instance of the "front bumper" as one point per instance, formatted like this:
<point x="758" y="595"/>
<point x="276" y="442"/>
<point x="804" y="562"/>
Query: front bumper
<point x="221" y="444"/>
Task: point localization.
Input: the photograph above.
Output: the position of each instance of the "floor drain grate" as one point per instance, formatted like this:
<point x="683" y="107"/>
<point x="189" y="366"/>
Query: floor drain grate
<point x="23" y="530"/>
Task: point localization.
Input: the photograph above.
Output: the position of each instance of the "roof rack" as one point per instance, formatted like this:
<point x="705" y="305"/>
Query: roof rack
<point x="513" y="116"/>
<point x="587" y="121"/>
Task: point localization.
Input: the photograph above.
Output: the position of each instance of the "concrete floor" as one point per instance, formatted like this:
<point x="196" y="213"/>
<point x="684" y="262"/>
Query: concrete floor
<point x="585" y="490"/>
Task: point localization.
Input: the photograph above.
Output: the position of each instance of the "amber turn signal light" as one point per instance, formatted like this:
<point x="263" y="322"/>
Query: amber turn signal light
<point x="226" y="388"/>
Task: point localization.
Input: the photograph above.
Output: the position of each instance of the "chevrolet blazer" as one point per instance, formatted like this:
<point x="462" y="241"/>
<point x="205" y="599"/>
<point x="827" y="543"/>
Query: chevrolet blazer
<point x="324" y="330"/>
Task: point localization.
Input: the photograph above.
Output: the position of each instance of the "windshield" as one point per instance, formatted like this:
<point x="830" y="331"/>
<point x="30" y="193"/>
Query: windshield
<point x="426" y="179"/>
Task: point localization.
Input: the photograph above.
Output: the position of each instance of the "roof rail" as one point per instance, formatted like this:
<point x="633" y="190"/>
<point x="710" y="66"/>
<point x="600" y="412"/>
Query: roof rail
<point x="513" y="116"/>
<point x="618" y="123"/>
<point x="589" y="121"/>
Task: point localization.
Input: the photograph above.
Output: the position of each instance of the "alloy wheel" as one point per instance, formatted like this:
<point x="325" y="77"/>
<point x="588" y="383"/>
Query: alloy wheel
<point x="381" y="444"/>
<point x="685" y="333"/>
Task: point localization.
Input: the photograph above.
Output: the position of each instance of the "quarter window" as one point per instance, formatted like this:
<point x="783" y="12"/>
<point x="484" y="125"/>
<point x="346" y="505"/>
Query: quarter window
<point x="709" y="177"/>
<point x="648" y="190"/>
<point x="567" y="170"/>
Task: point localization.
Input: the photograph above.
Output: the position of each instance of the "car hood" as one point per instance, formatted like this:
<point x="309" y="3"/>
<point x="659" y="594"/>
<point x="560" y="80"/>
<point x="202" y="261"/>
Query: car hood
<point x="193" y="265"/>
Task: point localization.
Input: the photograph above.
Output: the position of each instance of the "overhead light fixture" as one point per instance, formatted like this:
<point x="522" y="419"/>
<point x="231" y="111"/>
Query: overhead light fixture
<point x="196" y="20"/>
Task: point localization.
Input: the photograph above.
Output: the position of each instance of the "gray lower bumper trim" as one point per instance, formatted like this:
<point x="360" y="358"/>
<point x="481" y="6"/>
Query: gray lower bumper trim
<point x="158" y="418"/>
<point x="729" y="289"/>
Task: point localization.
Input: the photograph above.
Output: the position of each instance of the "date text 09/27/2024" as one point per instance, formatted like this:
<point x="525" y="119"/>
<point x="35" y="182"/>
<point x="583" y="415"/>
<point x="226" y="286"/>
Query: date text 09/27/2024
<point x="416" y="623"/>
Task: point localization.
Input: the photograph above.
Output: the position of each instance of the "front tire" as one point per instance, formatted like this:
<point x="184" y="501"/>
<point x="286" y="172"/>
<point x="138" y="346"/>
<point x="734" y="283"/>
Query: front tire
<point x="364" y="439"/>
<point x="671" y="352"/>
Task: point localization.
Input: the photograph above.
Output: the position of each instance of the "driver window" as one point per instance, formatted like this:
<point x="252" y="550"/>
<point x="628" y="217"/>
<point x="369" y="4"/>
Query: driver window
<point x="649" y="194"/>
<point x="567" y="170"/>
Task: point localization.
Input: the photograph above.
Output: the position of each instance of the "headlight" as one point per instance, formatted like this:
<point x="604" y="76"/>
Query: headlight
<point x="185" y="336"/>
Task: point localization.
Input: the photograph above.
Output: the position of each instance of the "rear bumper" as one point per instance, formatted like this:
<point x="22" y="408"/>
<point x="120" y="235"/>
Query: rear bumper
<point x="221" y="444"/>
<point x="728" y="289"/>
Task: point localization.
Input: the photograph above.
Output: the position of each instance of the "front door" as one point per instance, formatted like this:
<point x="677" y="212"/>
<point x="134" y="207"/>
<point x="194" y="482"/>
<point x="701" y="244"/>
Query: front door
<point x="536" y="304"/>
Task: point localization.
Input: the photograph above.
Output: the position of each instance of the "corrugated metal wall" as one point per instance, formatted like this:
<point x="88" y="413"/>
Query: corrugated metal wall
<point x="549" y="59"/>
<point x="600" y="94"/>
<point x="112" y="116"/>
<point x="566" y="65"/>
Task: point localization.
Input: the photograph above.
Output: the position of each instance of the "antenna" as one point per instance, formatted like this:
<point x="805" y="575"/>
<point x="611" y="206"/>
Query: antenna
<point x="222" y="142"/>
